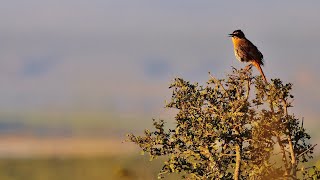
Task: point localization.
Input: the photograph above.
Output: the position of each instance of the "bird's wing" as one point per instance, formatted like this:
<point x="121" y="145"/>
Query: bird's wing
<point x="251" y="52"/>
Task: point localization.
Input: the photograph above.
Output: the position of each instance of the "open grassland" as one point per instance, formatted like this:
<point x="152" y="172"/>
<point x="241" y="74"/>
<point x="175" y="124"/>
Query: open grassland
<point x="80" y="168"/>
<point x="31" y="146"/>
<point x="80" y="158"/>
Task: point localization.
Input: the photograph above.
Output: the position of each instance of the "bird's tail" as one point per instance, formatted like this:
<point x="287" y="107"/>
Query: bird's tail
<point x="257" y="65"/>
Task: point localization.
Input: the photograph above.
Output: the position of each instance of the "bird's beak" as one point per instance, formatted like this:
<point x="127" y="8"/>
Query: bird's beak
<point x="231" y="35"/>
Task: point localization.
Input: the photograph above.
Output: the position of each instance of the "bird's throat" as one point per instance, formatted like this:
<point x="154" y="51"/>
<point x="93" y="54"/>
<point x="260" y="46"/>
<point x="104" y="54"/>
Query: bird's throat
<point x="236" y="41"/>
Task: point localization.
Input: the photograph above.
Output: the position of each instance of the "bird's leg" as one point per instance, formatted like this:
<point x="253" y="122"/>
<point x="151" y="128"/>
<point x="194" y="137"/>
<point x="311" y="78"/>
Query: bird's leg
<point x="248" y="67"/>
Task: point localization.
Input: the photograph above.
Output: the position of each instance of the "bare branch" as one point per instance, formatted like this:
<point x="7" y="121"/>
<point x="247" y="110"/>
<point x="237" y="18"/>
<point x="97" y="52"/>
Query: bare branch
<point x="312" y="147"/>
<point x="218" y="82"/>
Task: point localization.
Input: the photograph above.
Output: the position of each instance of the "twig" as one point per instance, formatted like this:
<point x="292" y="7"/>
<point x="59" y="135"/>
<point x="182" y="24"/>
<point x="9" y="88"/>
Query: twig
<point x="217" y="81"/>
<point x="284" y="157"/>
<point x="301" y="169"/>
<point x="307" y="150"/>
<point x="248" y="90"/>
<point x="237" y="169"/>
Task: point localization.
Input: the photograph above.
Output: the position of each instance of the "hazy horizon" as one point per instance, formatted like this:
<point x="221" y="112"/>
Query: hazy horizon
<point x="65" y="59"/>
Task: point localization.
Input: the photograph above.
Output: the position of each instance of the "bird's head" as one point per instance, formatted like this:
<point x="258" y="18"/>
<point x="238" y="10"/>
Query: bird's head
<point x="237" y="34"/>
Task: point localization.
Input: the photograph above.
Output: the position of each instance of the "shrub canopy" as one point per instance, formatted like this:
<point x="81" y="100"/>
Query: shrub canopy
<point x="232" y="128"/>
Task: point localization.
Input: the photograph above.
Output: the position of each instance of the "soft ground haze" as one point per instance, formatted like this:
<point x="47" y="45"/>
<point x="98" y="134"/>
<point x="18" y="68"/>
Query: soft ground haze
<point x="104" y="66"/>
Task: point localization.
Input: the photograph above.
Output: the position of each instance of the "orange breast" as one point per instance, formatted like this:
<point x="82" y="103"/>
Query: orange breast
<point x="236" y="42"/>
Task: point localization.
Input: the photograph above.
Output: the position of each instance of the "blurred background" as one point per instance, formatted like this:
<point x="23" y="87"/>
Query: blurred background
<point x="76" y="76"/>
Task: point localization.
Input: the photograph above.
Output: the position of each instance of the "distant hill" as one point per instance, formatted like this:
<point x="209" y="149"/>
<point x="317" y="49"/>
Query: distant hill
<point x="70" y="124"/>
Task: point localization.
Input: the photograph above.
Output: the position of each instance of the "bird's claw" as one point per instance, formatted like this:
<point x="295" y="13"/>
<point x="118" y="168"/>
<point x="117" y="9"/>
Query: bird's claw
<point x="248" y="67"/>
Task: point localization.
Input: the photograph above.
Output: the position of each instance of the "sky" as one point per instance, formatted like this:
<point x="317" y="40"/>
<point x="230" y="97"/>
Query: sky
<point x="119" y="56"/>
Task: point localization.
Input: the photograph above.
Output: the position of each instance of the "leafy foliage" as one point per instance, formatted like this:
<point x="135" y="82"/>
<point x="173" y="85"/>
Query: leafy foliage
<point x="233" y="128"/>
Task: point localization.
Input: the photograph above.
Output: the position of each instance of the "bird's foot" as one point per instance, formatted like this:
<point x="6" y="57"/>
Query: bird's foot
<point x="248" y="67"/>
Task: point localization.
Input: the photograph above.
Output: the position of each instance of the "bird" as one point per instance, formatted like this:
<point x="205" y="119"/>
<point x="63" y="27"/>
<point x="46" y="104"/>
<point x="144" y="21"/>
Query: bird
<point x="246" y="51"/>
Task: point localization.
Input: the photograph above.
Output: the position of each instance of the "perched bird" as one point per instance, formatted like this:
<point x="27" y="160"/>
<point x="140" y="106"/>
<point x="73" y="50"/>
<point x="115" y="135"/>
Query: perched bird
<point x="245" y="51"/>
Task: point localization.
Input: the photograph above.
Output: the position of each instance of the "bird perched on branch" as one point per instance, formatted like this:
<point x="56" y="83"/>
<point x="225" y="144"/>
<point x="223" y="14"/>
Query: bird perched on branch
<point x="245" y="51"/>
